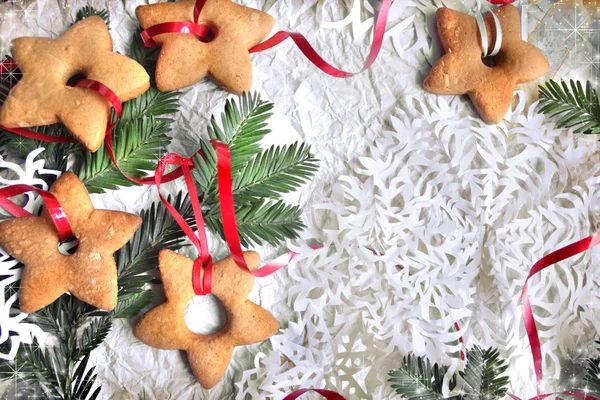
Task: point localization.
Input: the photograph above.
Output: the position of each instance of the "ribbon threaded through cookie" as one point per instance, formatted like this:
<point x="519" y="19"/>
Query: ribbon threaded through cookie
<point x="202" y="270"/>
<point x="483" y="34"/>
<point x="203" y="32"/>
<point x="55" y="210"/>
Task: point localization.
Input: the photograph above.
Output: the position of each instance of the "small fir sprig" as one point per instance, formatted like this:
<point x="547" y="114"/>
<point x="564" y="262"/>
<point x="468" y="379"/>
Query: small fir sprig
<point x="482" y="379"/>
<point x="574" y="105"/>
<point x="592" y="376"/>
<point x="417" y="379"/>
<point x="260" y="177"/>
<point x="89" y="11"/>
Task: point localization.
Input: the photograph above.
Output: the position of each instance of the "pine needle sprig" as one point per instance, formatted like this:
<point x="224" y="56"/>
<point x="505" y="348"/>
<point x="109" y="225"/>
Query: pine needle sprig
<point x="483" y="375"/>
<point x="140" y="255"/>
<point x="417" y="379"/>
<point x="260" y="176"/>
<point x="89" y="11"/>
<point x="93" y="335"/>
<point x="574" y="106"/>
<point x="243" y="126"/>
<point x="32" y="370"/>
<point x="592" y="376"/>
<point x="278" y="170"/>
<point x="263" y="221"/>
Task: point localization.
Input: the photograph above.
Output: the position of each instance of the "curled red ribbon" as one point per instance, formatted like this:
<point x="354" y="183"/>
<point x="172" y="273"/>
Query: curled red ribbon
<point x="305" y="47"/>
<point x="57" y="214"/>
<point x="545" y="262"/>
<point x="328" y="394"/>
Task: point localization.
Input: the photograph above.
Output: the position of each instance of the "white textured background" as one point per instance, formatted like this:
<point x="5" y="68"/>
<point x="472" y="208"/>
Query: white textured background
<point x="465" y="208"/>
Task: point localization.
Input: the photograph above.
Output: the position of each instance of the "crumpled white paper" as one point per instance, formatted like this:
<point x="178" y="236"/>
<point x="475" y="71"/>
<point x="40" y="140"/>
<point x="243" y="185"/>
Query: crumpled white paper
<point x="428" y="216"/>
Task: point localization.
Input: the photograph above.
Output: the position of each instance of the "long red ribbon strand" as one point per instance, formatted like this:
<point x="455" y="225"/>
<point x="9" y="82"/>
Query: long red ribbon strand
<point x="328" y="394"/>
<point x="305" y="47"/>
<point x="545" y="262"/>
<point x="204" y="261"/>
<point x="57" y="214"/>
<point x="225" y="183"/>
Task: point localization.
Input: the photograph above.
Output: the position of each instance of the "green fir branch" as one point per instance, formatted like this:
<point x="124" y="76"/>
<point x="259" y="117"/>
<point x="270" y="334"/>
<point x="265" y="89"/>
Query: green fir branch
<point x="243" y="125"/>
<point x="592" y="376"/>
<point x="417" y="379"/>
<point x="278" y="170"/>
<point x="483" y="375"/>
<point x="574" y="106"/>
<point x="93" y="335"/>
<point x="262" y="221"/>
<point x="260" y="176"/>
<point x="32" y="370"/>
<point x="89" y="11"/>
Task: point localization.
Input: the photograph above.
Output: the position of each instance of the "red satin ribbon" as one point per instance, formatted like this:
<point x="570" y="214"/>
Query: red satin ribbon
<point x="204" y="261"/>
<point x="328" y="394"/>
<point x="502" y="2"/>
<point x="300" y="41"/>
<point x="202" y="31"/>
<point x="7" y="65"/>
<point x="57" y="214"/>
<point x="545" y="262"/>
<point x="460" y="340"/>
<point x="230" y="229"/>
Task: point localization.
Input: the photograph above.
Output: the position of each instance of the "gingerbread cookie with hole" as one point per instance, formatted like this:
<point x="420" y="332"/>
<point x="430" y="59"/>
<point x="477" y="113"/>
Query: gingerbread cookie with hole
<point x="42" y="96"/>
<point x="90" y="274"/>
<point x="164" y="327"/>
<point x="463" y="71"/>
<point x="185" y="60"/>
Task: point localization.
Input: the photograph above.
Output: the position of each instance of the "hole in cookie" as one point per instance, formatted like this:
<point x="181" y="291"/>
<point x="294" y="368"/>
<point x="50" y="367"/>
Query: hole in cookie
<point x="72" y="81"/>
<point x="490" y="61"/>
<point x="69" y="246"/>
<point x="209" y="36"/>
<point x="205" y="315"/>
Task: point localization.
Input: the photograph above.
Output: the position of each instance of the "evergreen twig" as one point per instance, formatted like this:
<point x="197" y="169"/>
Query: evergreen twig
<point x="417" y="379"/>
<point x="592" y="376"/>
<point x="574" y="106"/>
<point x="483" y="375"/>
<point x="89" y="11"/>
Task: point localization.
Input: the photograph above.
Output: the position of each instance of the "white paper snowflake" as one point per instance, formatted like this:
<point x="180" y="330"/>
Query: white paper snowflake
<point x="14" y="330"/>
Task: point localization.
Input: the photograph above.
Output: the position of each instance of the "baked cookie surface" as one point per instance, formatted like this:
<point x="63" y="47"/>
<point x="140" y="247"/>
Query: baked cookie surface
<point x="164" y="327"/>
<point x="90" y="274"/>
<point x="42" y="96"/>
<point x="185" y="60"/>
<point x="461" y="69"/>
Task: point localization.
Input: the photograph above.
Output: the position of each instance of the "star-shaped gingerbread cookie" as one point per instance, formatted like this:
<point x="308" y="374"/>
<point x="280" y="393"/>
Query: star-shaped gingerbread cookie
<point x="42" y="96"/>
<point x="90" y="274"/>
<point x="185" y="60"/>
<point x="461" y="70"/>
<point x="164" y="327"/>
